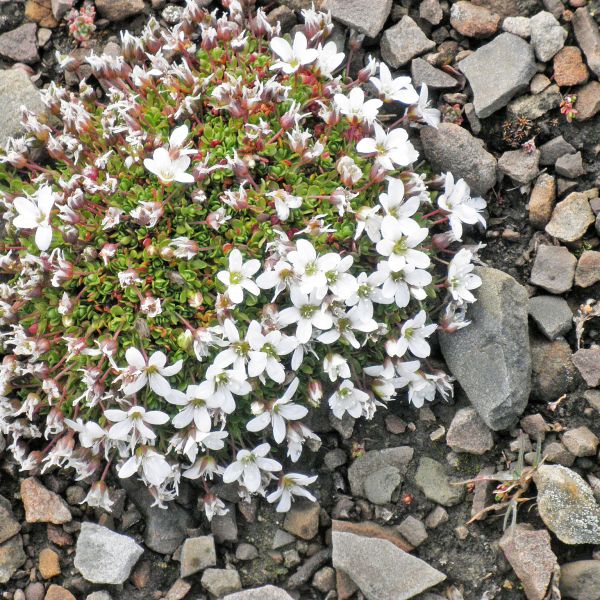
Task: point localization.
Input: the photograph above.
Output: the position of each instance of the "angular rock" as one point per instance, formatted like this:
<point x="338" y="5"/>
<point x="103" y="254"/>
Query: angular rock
<point x="588" y="38"/>
<point x="380" y="485"/>
<point x="468" y="433"/>
<point x="9" y="526"/>
<point x="221" y="581"/>
<point x="431" y="11"/>
<point x="519" y="165"/>
<point x="197" y="554"/>
<point x="402" y="42"/>
<point x="438" y="516"/>
<point x="302" y="520"/>
<point x="42" y="505"/>
<point x="118" y="10"/>
<point x="246" y="552"/>
<point x="552" y="315"/>
<point x="587" y="361"/>
<point x="435" y="79"/>
<point x="531" y="557"/>
<point x="224" y="527"/>
<point x="413" y="530"/>
<point x="268" y="592"/>
<point x="498" y="71"/>
<point x="281" y="539"/>
<point x="103" y="556"/>
<point x="580" y="441"/>
<point x="567" y="506"/>
<point x="369" y="563"/>
<point x="570" y="165"/>
<point x="61" y="7"/>
<point x="49" y="564"/>
<point x="547" y="36"/>
<point x="40" y="12"/>
<point x="520" y="26"/>
<point x="569" y="68"/>
<point x="12" y="556"/>
<point x="580" y="580"/>
<point x="571" y="218"/>
<point x="58" y="592"/>
<point x="554" y="149"/>
<point x="431" y="477"/>
<point x="541" y="201"/>
<point x="505" y="8"/>
<point x="553" y="269"/>
<point x="20" y="44"/>
<point x="588" y="101"/>
<point x="452" y="148"/>
<point x="365" y="16"/>
<point x="556" y="453"/>
<point x="539" y="83"/>
<point x="534" y="107"/>
<point x="491" y="358"/>
<point x="372" y="530"/>
<point x="473" y="21"/>
<point x="588" y="269"/>
<point x="553" y="371"/>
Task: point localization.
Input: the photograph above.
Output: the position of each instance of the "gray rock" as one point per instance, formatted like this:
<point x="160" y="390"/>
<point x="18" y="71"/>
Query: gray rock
<point x="554" y="149"/>
<point x="520" y="26"/>
<point x="431" y="11"/>
<point x="20" y="44"/>
<point x="12" y="556"/>
<point x="268" y="592"/>
<point x="588" y="37"/>
<point x="570" y="165"/>
<point x="365" y="16"/>
<point x="61" y="7"/>
<point x="118" y="10"/>
<point x="519" y="165"/>
<point x="246" y="552"/>
<point x="552" y="315"/>
<point x="9" y="526"/>
<point x="553" y="372"/>
<point x="498" y="71"/>
<point x="567" y="506"/>
<point x="221" y="581"/>
<point x="402" y="42"/>
<point x="534" y="106"/>
<point x="571" y="218"/>
<point x="374" y="460"/>
<point x="547" y="36"/>
<point x="580" y="441"/>
<point x="468" y="433"/>
<point x="370" y="561"/>
<point x="102" y="595"/>
<point x="580" y="580"/>
<point x="224" y="527"/>
<point x="452" y="148"/>
<point x="435" y="79"/>
<point x="282" y="538"/>
<point x="539" y="83"/>
<point x="438" y="516"/>
<point x="587" y="361"/>
<point x="413" y="530"/>
<point x="103" y="556"/>
<point x="491" y="358"/>
<point x="431" y="477"/>
<point x="553" y="269"/>
<point x="197" y="554"/>
<point x="555" y="453"/>
<point x="335" y="458"/>
<point x="380" y="485"/>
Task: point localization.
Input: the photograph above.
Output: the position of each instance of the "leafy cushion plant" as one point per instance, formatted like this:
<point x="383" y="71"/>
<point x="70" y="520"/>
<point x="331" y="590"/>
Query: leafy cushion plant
<point x="229" y="236"/>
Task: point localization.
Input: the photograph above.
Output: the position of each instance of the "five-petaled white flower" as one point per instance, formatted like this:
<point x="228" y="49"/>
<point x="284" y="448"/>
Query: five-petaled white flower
<point x="399" y="89"/>
<point x="414" y="336"/>
<point x="134" y="421"/>
<point x="239" y="276"/>
<point x="399" y="242"/>
<point x="266" y="350"/>
<point x="355" y="108"/>
<point x="460" y="278"/>
<point x="348" y="399"/>
<point x="151" y="371"/>
<point x="196" y="409"/>
<point x="248" y="465"/>
<point x="391" y="148"/>
<point x="291" y="485"/>
<point x="34" y="213"/>
<point x="292" y="56"/>
<point x="171" y="164"/>
<point x="307" y="312"/>
<point x="155" y="468"/>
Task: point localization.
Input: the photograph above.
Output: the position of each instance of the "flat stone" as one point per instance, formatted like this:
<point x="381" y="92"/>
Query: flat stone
<point x="553" y="269"/>
<point x="468" y="433"/>
<point x="220" y="582"/>
<point x="9" y="526"/>
<point x="103" y="556"/>
<point x="118" y="10"/>
<point x="413" y="530"/>
<point x="12" y="557"/>
<point x="246" y="552"/>
<point x="197" y="554"/>
<point x="588" y="38"/>
<point x="531" y="557"/>
<point x="570" y="165"/>
<point x="268" y="592"/>
<point x="431" y="11"/>
<point x="552" y="315"/>
<point x="567" y="506"/>
<point x="588" y="101"/>
<point x="178" y="590"/>
<point x="49" y="563"/>
<point x="302" y="520"/>
<point x="224" y="527"/>
<point x="498" y="71"/>
<point x="537" y="105"/>
<point x="593" y="399"/>
<point x="61" y="7"/>
<point x="519" y="165"/>
<point x="554" y="149"/>
<point x="588" y="268"/>
<point x="505" y="8"/>
<point x="571" y="218"/>
<point x="556" y="453"/>
<point x="587" y="361"/>
<point x="435" y="79"/>
<point x="380" y="485"/>
<point x="580" y="580"/>
<point x="473" y="21"/>
<point x="372" y="530"/>
<point x="366" y="16"/>
<point x="569" y="68"/>
<point x="491" y="358"/>
<point x="539" y="83"/>
<point x="547" y="36"/>
<point x="58" y="592"/>
<point x="403" y="42"/>
<point x="369" y="563"/>
<point x="20" y="44"/>
<point x="282" y="538"/>
<point x="438" y="516"/>
<point x="520" y="26"/>
<point x="433" y="481"/>
<point x="452" y="148"/>
<point x="553" y="372"/>
<point x="102" y="595"/>
<point x="42" y="505"/>
<point x="580" y="441"/>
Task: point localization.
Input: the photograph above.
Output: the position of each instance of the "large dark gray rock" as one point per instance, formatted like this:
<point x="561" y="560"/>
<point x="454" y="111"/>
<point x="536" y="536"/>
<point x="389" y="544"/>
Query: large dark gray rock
<point x="491" y="357"/>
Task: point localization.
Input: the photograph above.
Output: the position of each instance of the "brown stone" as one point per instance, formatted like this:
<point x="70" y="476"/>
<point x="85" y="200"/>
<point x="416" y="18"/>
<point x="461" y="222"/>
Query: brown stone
<point x="118" y="10"/>
<point x="303" y="519"/>
<point x="40" y="12"/>
<point x="58" y="536"/>
<point x="569" y="68"/>
<point x="553" y="372"/>
<point x="42" y="505"/>
<point x="141" y="575"/>
<point x="587" y="272"/>
<point x="178" y="590"/>
<point x="346" y="588"/>
<point x="473" y="21"/>
<point x="587" y="361"/>
<point x="57" y="592"/>
<point x="588" y="101"/>
<point x="49" y="565"/>
<point x="368" y="529"/>
<point x="541" y="202"/>
<point x="504" y="8"/>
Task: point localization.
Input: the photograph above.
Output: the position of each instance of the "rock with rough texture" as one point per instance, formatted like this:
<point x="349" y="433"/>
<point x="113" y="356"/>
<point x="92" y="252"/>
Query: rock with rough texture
<point x="588" y="268"/>
<point x="9" y="526"/>
<point x="20" y="44"/>
<point x="42" y="505"/>
<point x="468" y="433"/>
<point x="431" y="11"/>
<point x="531" y="557"/>
<point x="58" y="592"/>
<point x="570" y="165"/>
<point x="221" y="581"/>
<point x="413" y="530"/>
<point x="520" y="26"/>
<point x="402" y="42"/>
<point x="588" y="101"/>
<point x="491" y="358"/>
<point x="380" y="486"/>
<point x="567" y="506"/>
<point x="519" y="165"/>
<point x="539" y="83"/>
<point x="452" y="148"/>
<point x="431" y="477"/>
<point x="553" y="149"/>
<point x="553" y="372"/>
<point x="571" y="218"/>
<point x="12" y="556"/>
<point x="505" y="8"/>
<point x="103" y="556"/>
<point x="553" y="269"/>
<point x="372" y="530"/>
<point x="542" y="200"/>
<point x="587" y="361"/>
<point x="547" y="36"/>
<point x="580" y="441"/>
<point x="268" y="592"/>
<point x="435" y="79"/>
<point x="556" y="453"/>
<point x="197" y="554"/>
<point x="552" y="315"/>
<point x="588" y="38"/>
<point x="366" y="16"/>
<point x="302" y="520"/>
<point x="580" y="580"/>
<point x="61" y="7"/>
<point x="40" y="12"/>
<point x="498" y="71"/>
<point x="569" y="68"/>
<point x="118" y="10"/>
<point x="474" y="21"/>
<point x="535" y="106"/>
<point x="369" y="563"/>
<point x="49" y="563"/>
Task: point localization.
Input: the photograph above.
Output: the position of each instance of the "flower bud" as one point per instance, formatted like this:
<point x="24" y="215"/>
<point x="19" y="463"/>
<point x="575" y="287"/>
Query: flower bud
<point x="315" y="392"/>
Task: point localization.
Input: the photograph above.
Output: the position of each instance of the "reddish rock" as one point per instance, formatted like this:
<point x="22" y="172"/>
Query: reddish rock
<point x="473" y="21"/>
<point x="141" y="575"/>
<point x="588" y="101"/>
<point x="40" y="11"/>
<point x="49" y="564"/>
<point x="42" y="505"/>
<point x="59" y="537"/>
<point x="368" y="529"/>
<point x="57" y="592"/>
<point x="569" y="68"/>
<point x="118" y="10"/>
<point x="541" y="202"/>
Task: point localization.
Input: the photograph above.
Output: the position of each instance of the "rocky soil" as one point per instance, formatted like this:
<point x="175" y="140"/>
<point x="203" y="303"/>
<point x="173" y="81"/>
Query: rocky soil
<point x="395" y="518"/>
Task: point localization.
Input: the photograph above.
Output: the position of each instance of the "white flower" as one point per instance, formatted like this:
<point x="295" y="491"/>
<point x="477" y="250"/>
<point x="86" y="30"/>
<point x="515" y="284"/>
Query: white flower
<point x="398" y="286"/>
<point x="394" y="203"/>
<point x="292" y="56"/>
<point x="152" y="372"/>
<point x="169" y="169"/>
<point x="195" y="410"/>
<point x="354" y="107"/>
<point x="431" y="116"/>
<point x="414" y="336"/>
<point x="112" y="217"/>
<point x="341" y="283"/>
<point x="368" y="291"/>
<point x="291" y="485"/>
<point x="248" y="466"/>
<point x="461" y="208"/>
<point x="278" y="413"/>
<point x="336" y="366"/>
<point x="328" y="59"/>
<point x="34" y="213"/>
<point x="98" y="496"/>
<point x="284" y="202"/>
<point x="460" y="278"/>
<point x="368" y="219"/>
<point x="348" y="399"/>
<point x="266" y="350"/>
<point x="400" y="238"/>
<point x="307" y="312"/>
<point x="399" y="89"/>
<point x="391" y="148"/>
<point x="238" y="277"/>
<point x="134" y="421"/>
<point x="350" y="172"/>
<point x="345" y="325"/>
<point x="311" y="269"/>
<point x="237" y="352"/>
<point x="151" y="306"/>
<point x="155" y="468"/>
<point x="90" y="433"/>
<point x="205" y="466"/>
<point x="220" y="385"/>
<point x="279" y="277"/>
<point x="421" y="387"/>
